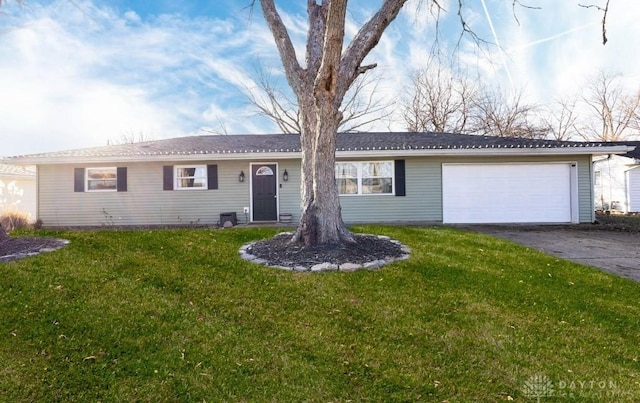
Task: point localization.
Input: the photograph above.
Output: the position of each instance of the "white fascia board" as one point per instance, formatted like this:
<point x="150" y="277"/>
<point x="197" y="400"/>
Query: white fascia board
<point x="289" y="155"/>
<point x="166" y="157"/>
<point x="485" y="152"/>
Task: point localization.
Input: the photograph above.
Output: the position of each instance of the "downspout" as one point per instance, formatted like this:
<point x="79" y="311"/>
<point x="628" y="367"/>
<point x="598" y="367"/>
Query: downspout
<point x="38" y="221"/>
<point x="610" y="187"/>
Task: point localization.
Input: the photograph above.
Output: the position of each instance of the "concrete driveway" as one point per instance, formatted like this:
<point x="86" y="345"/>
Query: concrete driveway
<point x="611" y="251"/>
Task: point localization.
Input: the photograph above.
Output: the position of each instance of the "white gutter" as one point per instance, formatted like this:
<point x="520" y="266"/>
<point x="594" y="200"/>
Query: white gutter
<point x="288" y="155"/>
<point x="487" y="152"/>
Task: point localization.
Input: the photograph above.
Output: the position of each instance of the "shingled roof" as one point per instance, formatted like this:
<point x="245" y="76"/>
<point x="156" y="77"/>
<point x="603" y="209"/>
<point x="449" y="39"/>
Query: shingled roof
<point x="17" y="171"/>
<point x="289" y="144"/>
<point x="635" y="153"/>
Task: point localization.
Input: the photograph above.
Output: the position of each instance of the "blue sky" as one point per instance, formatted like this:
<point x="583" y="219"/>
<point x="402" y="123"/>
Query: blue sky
<point x="79" y="73"/>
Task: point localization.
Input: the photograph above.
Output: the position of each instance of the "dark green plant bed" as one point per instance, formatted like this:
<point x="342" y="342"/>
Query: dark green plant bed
<point x="176" y="315"/>
<point x="619" y="222"/>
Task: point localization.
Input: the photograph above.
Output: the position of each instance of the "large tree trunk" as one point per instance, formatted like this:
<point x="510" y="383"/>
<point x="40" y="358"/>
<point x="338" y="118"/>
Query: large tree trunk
<point x="321" y="220"/>
<point x="320" y="88"/>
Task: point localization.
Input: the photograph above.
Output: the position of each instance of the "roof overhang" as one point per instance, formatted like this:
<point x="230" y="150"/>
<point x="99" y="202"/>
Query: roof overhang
<point x="342" y="153"/>
<point x="486" y="152"/>
<point x="19" y="177"/>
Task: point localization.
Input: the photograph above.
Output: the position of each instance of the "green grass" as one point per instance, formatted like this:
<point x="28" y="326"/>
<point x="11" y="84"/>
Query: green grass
<point x="176" y="315"/>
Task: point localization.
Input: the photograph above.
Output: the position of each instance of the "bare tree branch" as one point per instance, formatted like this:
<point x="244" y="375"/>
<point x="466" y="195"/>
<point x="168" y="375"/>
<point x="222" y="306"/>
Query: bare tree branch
<point x="271" y="102"/>
<point x="222" y="131"/>
<point x="283" y="43"/>
<point x="366" y="39"/>
<point x="499" y="116"/>
<point x="361" y="105"/>
<point x="519" y="3"/>
<point x="466" y="29"/>
<point x="561" y="118"/>
<point x="131" y="137"/>
<point x="439" y="101"/>
<point x="613" y="112"/>
<point x="604" y="11"/>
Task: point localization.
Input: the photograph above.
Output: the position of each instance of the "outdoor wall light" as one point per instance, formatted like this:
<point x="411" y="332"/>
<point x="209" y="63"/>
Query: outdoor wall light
<point x="241" y="176"/>
<point x="285" y="176"/>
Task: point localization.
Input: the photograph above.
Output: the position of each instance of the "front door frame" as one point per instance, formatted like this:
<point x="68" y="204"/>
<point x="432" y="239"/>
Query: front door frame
<point x="276" y="173"/>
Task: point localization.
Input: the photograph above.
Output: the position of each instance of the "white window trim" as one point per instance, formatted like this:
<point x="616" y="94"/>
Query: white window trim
<point x="359" y="179"/>
<point x="87" y="179"/>
<point x="176" y="179"/>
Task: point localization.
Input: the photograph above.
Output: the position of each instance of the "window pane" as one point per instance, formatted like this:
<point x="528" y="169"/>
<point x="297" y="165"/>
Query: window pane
<point x="346" y="170"/>
<point x="264" y="171"/>
<point x="191" y="177"/>
<point x="376" y="169"/>
<point x="347" y="186"/>
<point x="107" y="173"/>
<point x="190" y="172"/>
<point x="102" y="185"/>
<point x="191" y="183"/>
<point x="377" y="185"/>
<point x="102" y="179"/>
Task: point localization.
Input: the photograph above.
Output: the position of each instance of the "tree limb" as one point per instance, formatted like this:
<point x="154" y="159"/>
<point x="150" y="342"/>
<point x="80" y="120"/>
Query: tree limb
<point x="327" y="76"/>
<point x="285" y="46"/>
<point x="365" y="40"/>
<point x="315" y="37"/>
<point x="604" y="11"/>
<point x="364" y="69"/>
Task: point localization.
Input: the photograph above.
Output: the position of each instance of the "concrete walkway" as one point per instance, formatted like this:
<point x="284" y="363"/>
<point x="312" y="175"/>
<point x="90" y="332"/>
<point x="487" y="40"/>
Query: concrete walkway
<point x="611" y="251"/>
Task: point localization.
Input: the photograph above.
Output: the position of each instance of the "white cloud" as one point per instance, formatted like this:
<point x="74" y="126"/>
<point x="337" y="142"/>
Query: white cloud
<point x="76" y="74"/>
<point x="79" y="76"/>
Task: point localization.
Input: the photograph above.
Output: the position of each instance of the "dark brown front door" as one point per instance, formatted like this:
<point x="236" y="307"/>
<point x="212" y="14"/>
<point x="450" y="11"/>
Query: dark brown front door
<point x="265" y="201"/>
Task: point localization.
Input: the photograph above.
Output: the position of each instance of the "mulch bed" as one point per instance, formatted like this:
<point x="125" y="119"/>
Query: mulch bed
<point x="280" y="251"/>
<point x="20" y="247"/>
<point x="277" y="250"/>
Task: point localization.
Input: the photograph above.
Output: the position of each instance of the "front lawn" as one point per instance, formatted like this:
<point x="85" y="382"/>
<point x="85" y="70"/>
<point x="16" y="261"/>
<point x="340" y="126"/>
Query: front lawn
<point x="176" y="315"/>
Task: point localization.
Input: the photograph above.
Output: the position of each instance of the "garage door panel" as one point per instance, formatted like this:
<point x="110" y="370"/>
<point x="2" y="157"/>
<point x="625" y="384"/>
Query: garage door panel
<point x="506" y="193"/>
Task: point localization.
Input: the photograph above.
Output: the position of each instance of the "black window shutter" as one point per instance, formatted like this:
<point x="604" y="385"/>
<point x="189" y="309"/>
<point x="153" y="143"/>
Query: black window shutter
<point x="122" y="179"/>
<point x="78" y="179"/>
<point x="400" y="178"/>
<point x="212" y="176"/>
<point x="168" y="177"/>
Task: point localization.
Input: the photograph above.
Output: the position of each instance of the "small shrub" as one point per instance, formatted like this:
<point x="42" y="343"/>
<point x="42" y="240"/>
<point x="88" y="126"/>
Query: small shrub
<point x="14" y="219"/>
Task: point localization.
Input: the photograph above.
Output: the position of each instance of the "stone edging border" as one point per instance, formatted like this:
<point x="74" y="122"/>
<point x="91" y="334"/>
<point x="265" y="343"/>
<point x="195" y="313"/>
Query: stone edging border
<point x="327" y="266"/>
<point x="61" y="244"/>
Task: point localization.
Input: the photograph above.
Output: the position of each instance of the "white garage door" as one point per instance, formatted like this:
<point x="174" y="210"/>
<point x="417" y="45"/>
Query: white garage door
<point x="509" y="193"/>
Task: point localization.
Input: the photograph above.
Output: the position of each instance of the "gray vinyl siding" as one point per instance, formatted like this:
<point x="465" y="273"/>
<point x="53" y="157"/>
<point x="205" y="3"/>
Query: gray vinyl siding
<point x="423" y="202"/>
<point x="289" y="192"/>
<point x="586" y="213"/>
<point x="146" y="203"/>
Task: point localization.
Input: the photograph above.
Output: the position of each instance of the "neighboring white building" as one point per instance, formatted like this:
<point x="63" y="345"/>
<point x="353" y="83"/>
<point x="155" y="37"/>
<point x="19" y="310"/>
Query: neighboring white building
<point x="617" y="181"/>
<point x="633" y="188"/>
<point x="18" y="189"/>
